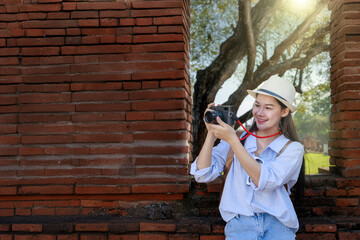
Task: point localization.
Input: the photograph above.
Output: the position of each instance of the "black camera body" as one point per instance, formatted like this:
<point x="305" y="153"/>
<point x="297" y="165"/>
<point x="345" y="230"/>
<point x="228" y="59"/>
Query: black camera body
<point x="225" y="113"/>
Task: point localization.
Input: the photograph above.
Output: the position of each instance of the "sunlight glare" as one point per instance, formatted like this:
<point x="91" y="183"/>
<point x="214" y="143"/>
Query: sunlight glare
<point x="301" y="5"/>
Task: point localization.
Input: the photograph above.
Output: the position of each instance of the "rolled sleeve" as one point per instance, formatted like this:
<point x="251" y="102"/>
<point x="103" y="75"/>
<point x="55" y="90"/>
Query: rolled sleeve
<point x="218" y="160"/>
<point x="282" y="169"/>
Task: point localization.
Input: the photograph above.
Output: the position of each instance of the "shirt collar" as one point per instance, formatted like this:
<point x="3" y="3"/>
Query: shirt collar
<point x="276" y="145"/>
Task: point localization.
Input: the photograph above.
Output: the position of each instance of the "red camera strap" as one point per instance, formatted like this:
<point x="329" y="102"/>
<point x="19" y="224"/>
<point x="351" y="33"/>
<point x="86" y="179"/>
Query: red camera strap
<point x="249" y="133"/>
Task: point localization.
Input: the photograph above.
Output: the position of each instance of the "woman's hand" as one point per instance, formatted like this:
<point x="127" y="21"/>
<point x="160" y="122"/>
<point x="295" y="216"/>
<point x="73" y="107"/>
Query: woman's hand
<point x="222" y="131"/>
<point x="208" y="125"/>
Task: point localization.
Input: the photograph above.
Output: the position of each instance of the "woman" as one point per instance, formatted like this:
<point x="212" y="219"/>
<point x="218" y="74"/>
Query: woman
<point x="255" y="201"/>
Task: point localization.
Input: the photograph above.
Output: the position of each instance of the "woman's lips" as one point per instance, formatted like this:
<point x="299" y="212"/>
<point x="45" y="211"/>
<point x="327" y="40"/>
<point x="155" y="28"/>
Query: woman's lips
<point x="261" y="121"/>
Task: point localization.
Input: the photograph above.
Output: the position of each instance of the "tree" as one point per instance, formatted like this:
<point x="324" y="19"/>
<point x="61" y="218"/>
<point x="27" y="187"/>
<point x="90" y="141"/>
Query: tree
<point x="312" y="117"/>
<point x="255" y="26"/>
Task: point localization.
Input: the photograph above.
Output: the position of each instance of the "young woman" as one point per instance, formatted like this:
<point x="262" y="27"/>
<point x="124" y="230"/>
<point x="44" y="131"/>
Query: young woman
<point x="255" y="201"/>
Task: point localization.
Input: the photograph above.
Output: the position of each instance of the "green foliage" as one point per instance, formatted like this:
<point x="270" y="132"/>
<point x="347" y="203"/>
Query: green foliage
<point x="312" y="117"/>
<point x="212" y="22"/>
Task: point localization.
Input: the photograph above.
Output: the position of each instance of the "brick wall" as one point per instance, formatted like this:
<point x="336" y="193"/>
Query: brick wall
<point x="95" y="125"/>
<point x="345" y="85"/>
<point x="95" y="101"/>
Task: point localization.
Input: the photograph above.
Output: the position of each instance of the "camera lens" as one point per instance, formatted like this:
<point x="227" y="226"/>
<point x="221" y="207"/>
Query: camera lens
<point x="210" y="116"/>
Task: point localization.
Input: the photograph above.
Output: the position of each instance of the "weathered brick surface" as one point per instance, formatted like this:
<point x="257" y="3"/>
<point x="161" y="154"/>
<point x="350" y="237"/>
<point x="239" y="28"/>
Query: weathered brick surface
<point x="87" y="88"/>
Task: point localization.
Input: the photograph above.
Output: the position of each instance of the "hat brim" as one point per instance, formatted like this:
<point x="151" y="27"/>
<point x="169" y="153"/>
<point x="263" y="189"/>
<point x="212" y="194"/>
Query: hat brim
<point x="253" y="93"/>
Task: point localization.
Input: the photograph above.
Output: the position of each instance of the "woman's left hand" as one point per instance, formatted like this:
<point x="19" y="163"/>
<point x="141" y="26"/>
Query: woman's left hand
<point x="223" y="131"/>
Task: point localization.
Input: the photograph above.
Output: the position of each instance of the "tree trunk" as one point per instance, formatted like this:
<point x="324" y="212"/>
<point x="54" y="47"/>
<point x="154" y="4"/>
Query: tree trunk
<point x="232" y="51"/>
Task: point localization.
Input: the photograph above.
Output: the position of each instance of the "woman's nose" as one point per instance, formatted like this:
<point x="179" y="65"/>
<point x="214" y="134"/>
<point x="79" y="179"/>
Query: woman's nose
<point x="260" y="111"/>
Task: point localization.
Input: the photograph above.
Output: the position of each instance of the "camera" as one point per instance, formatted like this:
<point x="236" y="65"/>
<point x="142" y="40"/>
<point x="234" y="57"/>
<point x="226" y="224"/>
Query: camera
<point x="225" y="113"/>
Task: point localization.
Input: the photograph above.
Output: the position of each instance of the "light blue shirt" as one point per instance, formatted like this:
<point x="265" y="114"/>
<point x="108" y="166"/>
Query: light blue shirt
<point x="270" y="196"/>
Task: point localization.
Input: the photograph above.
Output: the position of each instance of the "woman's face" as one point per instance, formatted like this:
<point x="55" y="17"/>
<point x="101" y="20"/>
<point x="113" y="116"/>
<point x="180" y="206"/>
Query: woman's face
<point x="267" y="113"/>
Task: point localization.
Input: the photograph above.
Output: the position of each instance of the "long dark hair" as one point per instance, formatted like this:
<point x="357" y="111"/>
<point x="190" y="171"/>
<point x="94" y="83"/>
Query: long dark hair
<point x="287" y="127"/>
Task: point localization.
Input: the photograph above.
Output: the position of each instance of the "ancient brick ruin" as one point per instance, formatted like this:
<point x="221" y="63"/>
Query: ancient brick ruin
<point x="95" y="122"/>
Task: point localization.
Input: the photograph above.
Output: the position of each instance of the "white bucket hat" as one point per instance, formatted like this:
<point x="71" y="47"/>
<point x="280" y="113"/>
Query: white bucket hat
<point x="278" y="88"/>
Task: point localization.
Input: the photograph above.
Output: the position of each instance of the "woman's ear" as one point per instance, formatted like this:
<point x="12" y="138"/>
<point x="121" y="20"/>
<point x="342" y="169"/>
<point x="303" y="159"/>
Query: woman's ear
<point x="285" y="112"/>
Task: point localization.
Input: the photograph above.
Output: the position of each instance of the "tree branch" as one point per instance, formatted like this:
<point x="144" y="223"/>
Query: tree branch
<point x="294" y="62"/>
<point x="250" y="39"/>
<point x="290" y="40"/>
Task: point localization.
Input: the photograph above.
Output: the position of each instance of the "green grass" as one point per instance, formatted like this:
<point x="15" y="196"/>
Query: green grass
<point x="315" y="160"/>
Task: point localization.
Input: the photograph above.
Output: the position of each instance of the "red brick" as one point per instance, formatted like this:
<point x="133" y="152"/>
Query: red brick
<point x="123" y="237"/>
<point x="69" y="6"/>
<point x="336" y="192"/>
<point x="101" y="127"/>
<point x="156" y="12"/>
<point x="158" y="105"/>
<point x="102" y="5"/>
<point x="5" y="236"/>
<point x="144" y="21"/>
<point x="8" y="151"/>
<point x="52" y="24"/>
<point x="99" y="96"/>
<point x="133" y="116"/>
<point x="109" y="22"/>
<point x="132" y="85"/>
<point x="171" y="29"/>
<point x="156" y="4"/>
<point x="102" y="189"/>
<point x="45" y="98"/>
<point x="49" y="189"/>
<point x="92" y="227"/>
<point x="40" y="8"/>
<point x="40" y="51"/>
<point x="150" y="84"/>
<point x="145" y="30"/>
<point x="95" y="117"/>
<point x="349" y="235"/>
<point x="354" y="192"/>
<point x="172" y="74"/>
<point x="204" y="237"/>
<point x="183" y="237"/>
<point x="143" y="236"/>
<point x="157" y="227"/>
<point x="42" y="211"/>
<point x="71" y="211"/>
<point x="100" y="107"/>
<point x="96" y="86"/>
<point x="88" y="22"/>
<point x="103" y="138"/>
<point x="84" y="14"/>
<point x="8" y="191"/>
<point x="23" y="211"/>
<point x="47" y="139"/>
<point x="90" y="40"/>
<point x="160" y="188"/>
<point x="45" y="129"/>
<point x="114" y="14"/>
<point x="127" y="22"/>
<point x="6" y="212"/>
<point x="27" y="227"/>
<point x="177" y="20"/>
<point x="58" y="15"/>
<point x="320" y="228"/>
<point x="154" y="94"/>
<point x="108" y="39"/>
<point x="347" y="202"/>
<point x="4" y="227"/>
<point x="158" y="38"/>
<point x="67" y="237"/>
